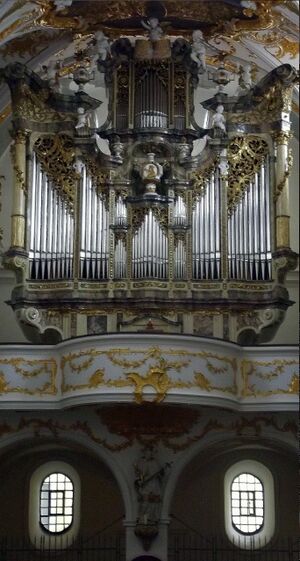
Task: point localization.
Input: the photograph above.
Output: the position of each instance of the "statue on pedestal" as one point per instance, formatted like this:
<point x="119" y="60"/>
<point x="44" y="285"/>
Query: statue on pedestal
<point x="198" y="53"/>
<point x="155" y="31"/>
<point x="218" y="120"/>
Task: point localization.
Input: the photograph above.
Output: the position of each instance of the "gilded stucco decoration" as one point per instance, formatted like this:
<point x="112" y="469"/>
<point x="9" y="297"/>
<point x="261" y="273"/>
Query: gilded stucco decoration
<point x="267" y="378"/>
<point x="165" y="370"/>
<point x="160" y="375"/>
<point x="29" y="377"/>
<point x="177" y="428"/>
<point x="246" y="156"/>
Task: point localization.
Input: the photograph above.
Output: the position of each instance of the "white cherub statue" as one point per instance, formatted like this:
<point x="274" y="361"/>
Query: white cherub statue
<point x="245" y="80"/>
<point x="218" y="120"/>
<point x="82" y="118"/>
<point x="155" y="31"/>
<point x="101" y="48"/>
<point x="62" y="4"/>
<point x="198" y="53"/>
<point x="102" y="44"/>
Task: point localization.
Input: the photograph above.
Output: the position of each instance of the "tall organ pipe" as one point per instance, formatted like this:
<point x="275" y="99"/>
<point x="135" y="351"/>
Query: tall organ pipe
<point x="150" y="250"/>
<point x="51" y="228"/>
<point x="249" y="236"/>
<point x="206" y="241"/>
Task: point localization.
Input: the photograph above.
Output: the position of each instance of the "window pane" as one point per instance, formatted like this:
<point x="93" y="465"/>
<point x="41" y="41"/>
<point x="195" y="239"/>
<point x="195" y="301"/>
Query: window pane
<point x="56" y="502"/>
<point x="247" y="503"/>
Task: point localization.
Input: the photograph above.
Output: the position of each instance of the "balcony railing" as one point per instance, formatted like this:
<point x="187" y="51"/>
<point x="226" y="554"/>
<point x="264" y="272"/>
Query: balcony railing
<point x="97" y="548"/>
<point x="188" y="547"/>
<point x="182" y="547"/>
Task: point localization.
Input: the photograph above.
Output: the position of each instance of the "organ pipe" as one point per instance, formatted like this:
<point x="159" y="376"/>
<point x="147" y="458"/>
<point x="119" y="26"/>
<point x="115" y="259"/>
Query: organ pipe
<point x="94" y="252"/>
<point x="206" y="241"/>
<point x="51" y="233"/>
<point x="150" y="250"/>
<point x="249" y="236"/>
<point x="51" y="229"/>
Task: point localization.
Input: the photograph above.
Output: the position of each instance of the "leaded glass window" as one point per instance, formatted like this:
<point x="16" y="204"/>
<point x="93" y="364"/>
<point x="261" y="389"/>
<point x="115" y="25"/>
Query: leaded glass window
<point x="247" y="503"/>
<point x="56" y="502"/>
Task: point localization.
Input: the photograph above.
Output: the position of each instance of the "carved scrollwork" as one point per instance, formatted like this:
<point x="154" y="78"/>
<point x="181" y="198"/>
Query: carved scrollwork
<point x="138" y="216"/>
<point x="199" y="179"/>
<point x="245" y="156"/>
<point x="99" y="176"/>
<point x="57" y="157"/>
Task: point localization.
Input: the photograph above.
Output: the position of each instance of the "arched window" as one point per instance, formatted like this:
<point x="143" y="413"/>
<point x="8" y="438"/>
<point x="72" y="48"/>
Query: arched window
<point x="54" y="504"/>
<point x="249" y="504"/>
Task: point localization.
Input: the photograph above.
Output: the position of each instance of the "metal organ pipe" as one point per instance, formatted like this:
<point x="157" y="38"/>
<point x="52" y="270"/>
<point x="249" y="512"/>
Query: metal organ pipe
<point x="150" y="250"/>
<point x="249" y="236"/>
<point x="94" y="232"/>
<point x="51" y="229"/>
<point x="206" y="243"/>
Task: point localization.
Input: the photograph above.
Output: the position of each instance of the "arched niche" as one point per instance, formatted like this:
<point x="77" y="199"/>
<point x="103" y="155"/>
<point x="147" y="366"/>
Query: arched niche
<point x="198" y="494"/>
<point x="102" y="493"/>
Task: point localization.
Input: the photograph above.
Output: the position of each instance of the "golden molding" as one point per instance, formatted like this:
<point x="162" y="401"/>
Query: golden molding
<point x="150" y="431"/>
<point x="218" y="18"/>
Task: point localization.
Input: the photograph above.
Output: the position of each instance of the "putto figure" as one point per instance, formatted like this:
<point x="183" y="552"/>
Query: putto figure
<point x="100" y="49"/>
<point x="155" y="31"/>
<point x="62" y="4"/>
<point x="82" y="118"/>
<point x="198" y="53"/>
<point x="218" y="120"/>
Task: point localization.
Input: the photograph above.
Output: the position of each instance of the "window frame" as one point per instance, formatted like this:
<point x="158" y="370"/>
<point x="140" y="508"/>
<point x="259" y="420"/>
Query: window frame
<point x="265" y="533"/>
<point x="254" y="504"/>
<point x="37" y="532"/>
<point x="50" y="492"/>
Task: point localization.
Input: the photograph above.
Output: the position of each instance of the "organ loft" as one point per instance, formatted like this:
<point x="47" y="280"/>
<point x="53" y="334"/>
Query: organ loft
<point x="153" y="220"/>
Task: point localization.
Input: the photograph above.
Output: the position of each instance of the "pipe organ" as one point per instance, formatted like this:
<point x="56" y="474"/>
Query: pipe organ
<point x="149" y="230"/>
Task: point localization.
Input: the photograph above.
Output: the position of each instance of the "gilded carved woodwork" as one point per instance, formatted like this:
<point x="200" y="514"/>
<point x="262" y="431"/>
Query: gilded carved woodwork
<point x="57" y="157"/>
<point x="33" y="107"/>
<point x="245" y="157"/>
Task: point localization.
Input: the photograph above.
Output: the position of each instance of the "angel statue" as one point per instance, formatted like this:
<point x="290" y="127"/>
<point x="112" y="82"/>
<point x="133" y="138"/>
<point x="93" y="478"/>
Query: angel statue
<point x="198" y="53"/>
<point x="245" y="79"/>
<point x="218" y="120"/>
<point x="100" y="49"/>
<point x="82" y="118"/>
<point x="155" y="31"/>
